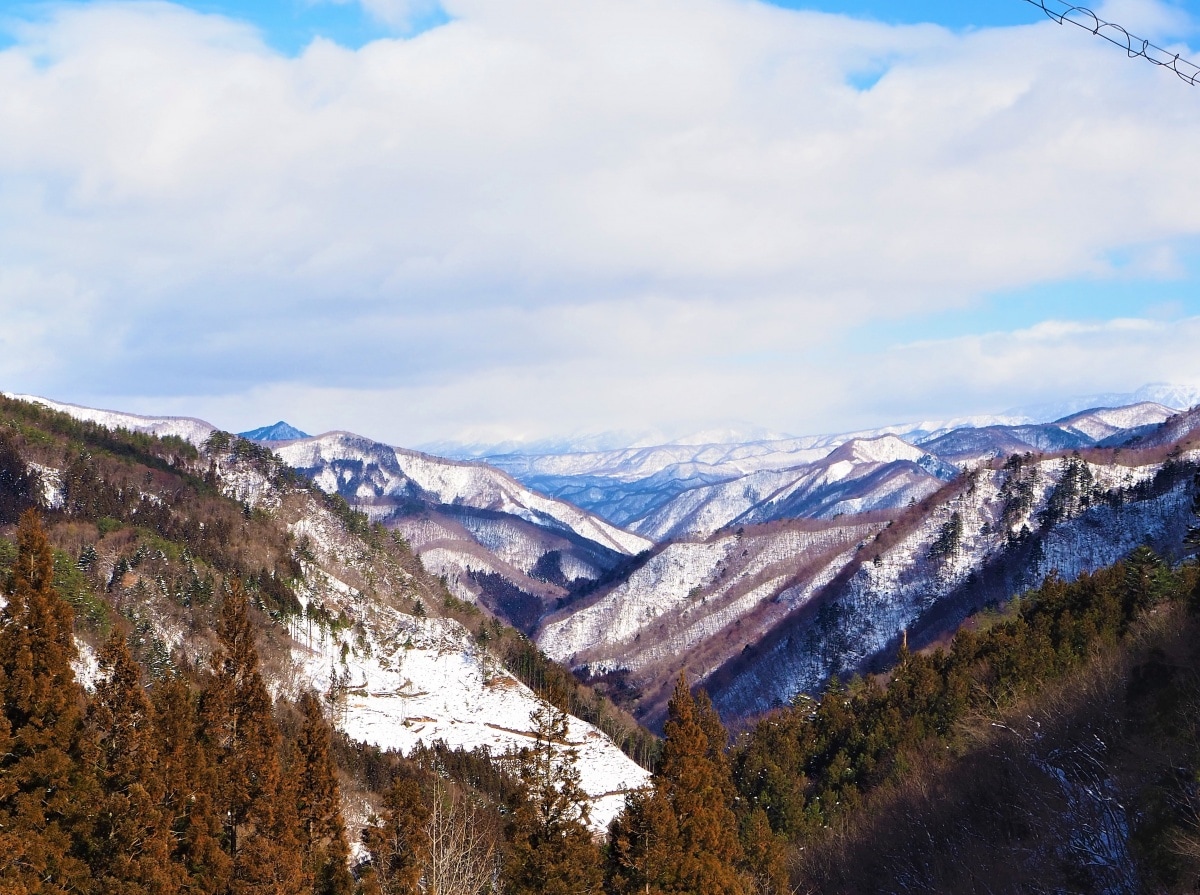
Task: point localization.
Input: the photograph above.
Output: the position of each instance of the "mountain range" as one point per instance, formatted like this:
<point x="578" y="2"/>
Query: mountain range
<point x="760" y="568"/>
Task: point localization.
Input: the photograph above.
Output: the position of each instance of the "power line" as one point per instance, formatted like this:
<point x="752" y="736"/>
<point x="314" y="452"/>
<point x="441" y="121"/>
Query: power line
<point x="1115" y="34"/>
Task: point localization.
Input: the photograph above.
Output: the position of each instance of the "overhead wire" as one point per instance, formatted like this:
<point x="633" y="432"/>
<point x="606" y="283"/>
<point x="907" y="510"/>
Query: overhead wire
<point x="1135" y="46"/>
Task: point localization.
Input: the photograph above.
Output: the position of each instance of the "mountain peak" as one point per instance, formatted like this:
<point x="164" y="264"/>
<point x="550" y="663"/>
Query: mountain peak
<point x="280" y="431"/>
<point x="884" y="449"/>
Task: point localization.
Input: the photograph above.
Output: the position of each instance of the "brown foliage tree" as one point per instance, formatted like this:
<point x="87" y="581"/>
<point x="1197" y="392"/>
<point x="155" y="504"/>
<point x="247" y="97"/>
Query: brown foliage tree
<point x="44" y="791"/>
<point x="398" y="842"/>
<point x="682" y="837"/>
<point x="240" y="733"/>
<point x="318" y="804"/>
<point x="189" y="782"/>
<point x="130" y="841"/>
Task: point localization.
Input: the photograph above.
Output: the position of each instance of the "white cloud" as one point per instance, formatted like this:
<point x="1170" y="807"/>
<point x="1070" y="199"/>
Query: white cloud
<point x="556" y="210"/>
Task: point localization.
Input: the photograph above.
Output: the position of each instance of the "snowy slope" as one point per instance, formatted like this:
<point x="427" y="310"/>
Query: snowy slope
<point x="415" y="680"/>
<point x="694" y="604"/>
<point x="376" y="475"/>
<point x="760" y="612"/>
<point x="723" y="460"/>
<point x="187" y="428"/>
<point x="537" y="567"/>
<point x="395" y="676"/>
<point x="906" y="586"/>
<point x="1103" y="423"/>
<point x="401" y="679"/>
<point x="857" y="476"/>
<point x="1180" y="427"/>
<point x="647" y="488"/>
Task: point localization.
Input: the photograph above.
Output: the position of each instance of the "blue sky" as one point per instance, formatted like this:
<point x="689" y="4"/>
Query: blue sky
<point x="290" y="25"/>
<point x="506" y="219"/>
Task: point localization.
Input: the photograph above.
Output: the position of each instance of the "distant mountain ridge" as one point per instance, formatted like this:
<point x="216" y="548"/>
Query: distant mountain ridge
<point x="671" y="491"/>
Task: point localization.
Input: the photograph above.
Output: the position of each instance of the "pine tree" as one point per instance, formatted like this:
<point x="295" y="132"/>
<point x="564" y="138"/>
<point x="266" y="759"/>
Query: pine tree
<point x="44" y="787"/>
<point x="322" y="831"/>
<point x="552" y="851"/>
<point x="243" y="741"/>
<point x="129" y="844"/>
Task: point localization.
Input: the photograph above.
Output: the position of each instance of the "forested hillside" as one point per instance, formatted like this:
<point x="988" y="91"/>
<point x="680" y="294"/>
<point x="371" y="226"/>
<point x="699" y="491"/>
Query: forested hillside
<point x="183" y="631"/>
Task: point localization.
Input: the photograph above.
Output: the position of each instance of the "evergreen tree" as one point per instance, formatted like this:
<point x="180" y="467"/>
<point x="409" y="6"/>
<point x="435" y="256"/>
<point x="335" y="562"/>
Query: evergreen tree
<point x="19" y="485"/>
<point x="695" y="781"/>
<point x="552" y="851"/>
<point x="322" y="831"/>
<point x="189" y="782"/>
<point x="642" y="845"/>
<point x="243" y="742"/>
<point x="44" y="788"/>
<point x="764" y="855"/>
<point x="129" y="843"/>
<point x="397" y="842"/>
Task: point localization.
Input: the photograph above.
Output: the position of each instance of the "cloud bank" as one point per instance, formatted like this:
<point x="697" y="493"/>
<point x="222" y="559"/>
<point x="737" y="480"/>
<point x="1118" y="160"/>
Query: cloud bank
<point x="547" y="216"/>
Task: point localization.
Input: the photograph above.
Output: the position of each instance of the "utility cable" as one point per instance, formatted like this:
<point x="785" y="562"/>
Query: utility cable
<point x="1115" y="34"/>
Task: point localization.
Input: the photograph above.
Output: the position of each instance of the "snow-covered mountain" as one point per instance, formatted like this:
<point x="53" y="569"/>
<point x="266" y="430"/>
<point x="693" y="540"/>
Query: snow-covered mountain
<point x="185" y="427"/>
<point x="279" y="431"/>
<point x="990" y="536"/>
<point x="841" y="592"/>
<point x="493" y="539"/>
<point x="696" y="604"/>
<point x="667" y="491"/>
<point x="1173" y="395"/>
<point x="404" y="678"/>
<point x="857" y="476"/>
<point x="779" y="562"/>
<point x="396" y="673"/>
<point x="630" y="484"/>
<point x="381" y="479"/>
<point x="1098" y="426"/>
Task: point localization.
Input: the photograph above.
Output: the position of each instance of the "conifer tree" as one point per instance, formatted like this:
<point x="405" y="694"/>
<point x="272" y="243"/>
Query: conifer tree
<point x="19" y="485"/>
<point x="243" y="740"/>
<point x="552" y="851"/>
<point x="129" y="843"/>
<point x="398" y="842"/>
<point x="764" y="855"/>
<point x="642" y="845"/>
<point x="322" y="831"/>
<point x="695" y="781"/>
<point x="44" y="787"/>
<point x="189" y="782"/>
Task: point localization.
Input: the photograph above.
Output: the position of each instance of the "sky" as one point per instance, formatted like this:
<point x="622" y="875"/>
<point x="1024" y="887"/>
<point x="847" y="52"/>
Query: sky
<point x="506" y="220"/>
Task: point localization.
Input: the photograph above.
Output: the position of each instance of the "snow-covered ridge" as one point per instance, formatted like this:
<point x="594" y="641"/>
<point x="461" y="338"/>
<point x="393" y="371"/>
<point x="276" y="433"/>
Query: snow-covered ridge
<point x="402" y="679"/>
<point x="185" y="427"/>
<point x="675" y="490"/>
<point x="857" y="476"/>
<point x="993" y="512"/>
<point x="385" y="471"/>
<point x="1105" y="422"/>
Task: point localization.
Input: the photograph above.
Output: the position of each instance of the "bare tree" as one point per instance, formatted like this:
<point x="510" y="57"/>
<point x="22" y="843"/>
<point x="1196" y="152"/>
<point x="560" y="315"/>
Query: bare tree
<point x="463" y="855"/>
